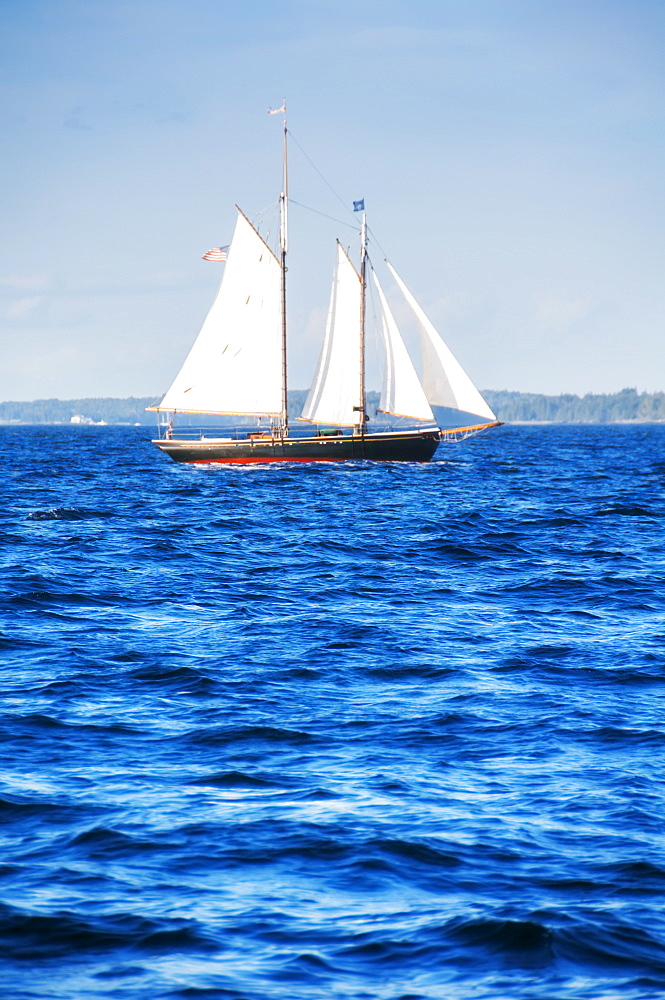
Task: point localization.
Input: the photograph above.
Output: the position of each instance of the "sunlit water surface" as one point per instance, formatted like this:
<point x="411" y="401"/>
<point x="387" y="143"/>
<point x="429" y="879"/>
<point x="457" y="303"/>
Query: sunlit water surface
<point x="358" y="731"/>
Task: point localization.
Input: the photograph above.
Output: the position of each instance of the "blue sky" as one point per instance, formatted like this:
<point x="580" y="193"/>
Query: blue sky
<point x="511" y="157"/>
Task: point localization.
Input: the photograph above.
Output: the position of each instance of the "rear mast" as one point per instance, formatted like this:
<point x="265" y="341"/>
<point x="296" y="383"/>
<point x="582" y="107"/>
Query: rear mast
<point x="283" y="243"/>
<point x="362" y="415"/>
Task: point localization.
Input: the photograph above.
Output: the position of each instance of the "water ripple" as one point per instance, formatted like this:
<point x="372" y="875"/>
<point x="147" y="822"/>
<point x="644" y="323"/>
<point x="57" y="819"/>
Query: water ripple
<point x="387" y="731"/>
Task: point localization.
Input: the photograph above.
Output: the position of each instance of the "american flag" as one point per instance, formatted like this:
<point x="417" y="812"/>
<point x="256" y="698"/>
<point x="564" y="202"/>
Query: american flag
<point x="217" y="253"/>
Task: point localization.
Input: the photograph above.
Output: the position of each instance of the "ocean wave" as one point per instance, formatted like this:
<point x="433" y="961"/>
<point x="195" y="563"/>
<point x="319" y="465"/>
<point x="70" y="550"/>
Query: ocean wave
<point x="65" y="514"/>
<point x="361" y="731"/>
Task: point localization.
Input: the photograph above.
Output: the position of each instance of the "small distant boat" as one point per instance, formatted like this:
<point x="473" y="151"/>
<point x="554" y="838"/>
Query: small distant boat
<point x="238" y="367"/>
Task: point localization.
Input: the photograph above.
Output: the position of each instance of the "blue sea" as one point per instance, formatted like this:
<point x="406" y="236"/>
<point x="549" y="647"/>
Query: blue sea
<point x="333" y="732"/>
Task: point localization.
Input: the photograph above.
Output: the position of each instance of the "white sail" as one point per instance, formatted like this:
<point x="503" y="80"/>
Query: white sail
<point x="235" y="365"/>
<point x="444" y="380"/>
<point x="401" y="393"/>
<point x="335" y="390"/>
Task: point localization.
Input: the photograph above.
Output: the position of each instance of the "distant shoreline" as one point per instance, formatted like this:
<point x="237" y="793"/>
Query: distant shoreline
<point x="581" y="423"/>
<point x="625" y="407"/>
<point x="505" y="423"/>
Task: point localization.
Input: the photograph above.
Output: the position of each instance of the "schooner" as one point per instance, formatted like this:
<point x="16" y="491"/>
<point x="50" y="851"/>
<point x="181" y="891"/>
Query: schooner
<point x="238" y="367"/>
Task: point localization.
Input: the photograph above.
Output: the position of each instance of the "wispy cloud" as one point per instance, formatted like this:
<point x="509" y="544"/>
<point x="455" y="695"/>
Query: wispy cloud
<point x="25" y="282"/>
<point x="22" y="308"/>
<point x="559" y="311"/>
<point x="75" y="119"/>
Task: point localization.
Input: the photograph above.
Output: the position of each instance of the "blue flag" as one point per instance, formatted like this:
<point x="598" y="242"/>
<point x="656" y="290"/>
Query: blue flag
<point x="359" y="206"/>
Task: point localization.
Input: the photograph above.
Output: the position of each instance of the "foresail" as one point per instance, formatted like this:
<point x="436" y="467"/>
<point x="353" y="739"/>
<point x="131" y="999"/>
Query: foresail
<point x="235" y="364"/>
<point x="335" y="390"/>
<point x="401" y="393"/>
<point x="444" y="380"/>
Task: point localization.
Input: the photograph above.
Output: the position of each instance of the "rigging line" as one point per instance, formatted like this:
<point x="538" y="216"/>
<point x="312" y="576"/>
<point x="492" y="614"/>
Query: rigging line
<point x="268" y="215"/>
<point x="262" y="216"/>
<point x="385" y="255"/>
<point x="272" y="207"/>
<point x="314" y="167"/>
<point x="339" y="222"/>
<point x="339" y="198"/>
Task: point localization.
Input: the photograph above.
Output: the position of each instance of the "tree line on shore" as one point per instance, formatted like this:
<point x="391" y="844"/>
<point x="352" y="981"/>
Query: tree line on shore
<point x="593" y="408"/>
<point x="629" y="405"/>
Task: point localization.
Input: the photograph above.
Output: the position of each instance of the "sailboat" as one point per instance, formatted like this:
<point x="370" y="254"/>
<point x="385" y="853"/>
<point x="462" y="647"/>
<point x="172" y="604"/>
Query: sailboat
<point x="238" y="367"/>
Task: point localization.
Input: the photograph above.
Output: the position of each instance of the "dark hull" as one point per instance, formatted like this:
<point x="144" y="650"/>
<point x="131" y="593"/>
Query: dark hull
<point x="413" y="446"/>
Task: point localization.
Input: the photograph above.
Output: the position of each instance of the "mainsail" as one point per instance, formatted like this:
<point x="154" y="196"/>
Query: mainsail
<point x="401" y="393"/>
<point x="334" y="397"/>
<point x="235" y="365"/>
<point x="444" y="380"/>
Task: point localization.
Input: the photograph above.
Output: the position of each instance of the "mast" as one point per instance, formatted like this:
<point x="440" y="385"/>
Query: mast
<point x="362" y="416"/>
<point x="283" y="246"/>
<point x="283" y="243"/>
